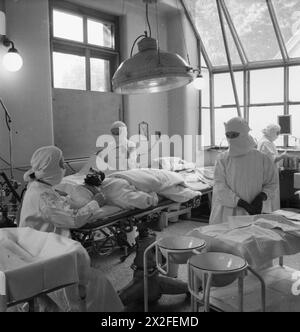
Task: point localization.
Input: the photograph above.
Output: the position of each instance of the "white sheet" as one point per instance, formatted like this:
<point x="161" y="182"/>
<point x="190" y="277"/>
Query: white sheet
<point x="136" y="188"/>
<point x="258" y="239"/>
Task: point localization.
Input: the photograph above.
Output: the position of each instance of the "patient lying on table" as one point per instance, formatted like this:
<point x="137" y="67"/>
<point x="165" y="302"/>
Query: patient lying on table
<point x="138" y="188"/>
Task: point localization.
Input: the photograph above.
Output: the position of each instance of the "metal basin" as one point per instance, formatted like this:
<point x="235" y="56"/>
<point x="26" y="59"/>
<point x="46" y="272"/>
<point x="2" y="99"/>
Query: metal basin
<point x="217" y="263"/>
<point x="180" y="248"/>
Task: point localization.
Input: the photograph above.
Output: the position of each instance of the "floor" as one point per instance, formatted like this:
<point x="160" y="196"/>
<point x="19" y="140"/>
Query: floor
<point x="280" y="283"/>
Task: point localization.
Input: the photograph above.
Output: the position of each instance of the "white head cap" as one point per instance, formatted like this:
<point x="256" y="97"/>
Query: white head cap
<point x="271" y="131"/>
<point x="45" y="165"/>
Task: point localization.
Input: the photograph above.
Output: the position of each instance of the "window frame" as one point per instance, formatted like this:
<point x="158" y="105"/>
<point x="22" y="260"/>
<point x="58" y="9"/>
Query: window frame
<point x="85" y="49"/>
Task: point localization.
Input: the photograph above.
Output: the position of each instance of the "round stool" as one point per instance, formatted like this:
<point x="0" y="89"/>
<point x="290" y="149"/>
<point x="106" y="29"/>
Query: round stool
<point x="214" y="269"/>
<point x="175" y="250"/>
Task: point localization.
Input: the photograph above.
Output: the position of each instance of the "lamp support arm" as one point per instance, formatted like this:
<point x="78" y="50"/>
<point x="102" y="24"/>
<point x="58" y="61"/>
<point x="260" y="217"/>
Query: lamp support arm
<point x="8" y="124"/>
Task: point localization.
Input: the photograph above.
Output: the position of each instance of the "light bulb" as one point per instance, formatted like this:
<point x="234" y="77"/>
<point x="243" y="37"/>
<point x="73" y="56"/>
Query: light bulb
<point x="12" y="61"/>
<point x="199" y="82"/>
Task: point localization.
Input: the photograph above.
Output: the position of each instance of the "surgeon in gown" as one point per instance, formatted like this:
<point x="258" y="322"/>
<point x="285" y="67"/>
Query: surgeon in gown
<point x="267" y="146"/>
<point x="120" y="154"/>
<point x="244" y="177"/>
<point x="44" y="209"/>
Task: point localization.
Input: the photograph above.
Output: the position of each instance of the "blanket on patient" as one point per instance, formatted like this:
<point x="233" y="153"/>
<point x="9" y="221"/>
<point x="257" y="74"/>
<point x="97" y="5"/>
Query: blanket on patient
<point x="132" y="189"/>
<point x="149" y="179"/>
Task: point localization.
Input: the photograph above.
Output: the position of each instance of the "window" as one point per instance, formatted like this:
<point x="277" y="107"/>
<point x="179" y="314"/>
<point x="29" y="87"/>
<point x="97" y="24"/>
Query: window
<point x="224" y="91"/>
<point x="205" y="15"/>
<point x="85" y="48"/>
<point x="266" y="85"/>
<point x="253" y="23"/>
<point x="294" y="83"/>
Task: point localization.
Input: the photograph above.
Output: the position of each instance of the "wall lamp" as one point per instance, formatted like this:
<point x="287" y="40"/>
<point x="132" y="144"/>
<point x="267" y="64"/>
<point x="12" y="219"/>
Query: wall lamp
<point x="12" y="61"/>
<point x="199" y="81"/>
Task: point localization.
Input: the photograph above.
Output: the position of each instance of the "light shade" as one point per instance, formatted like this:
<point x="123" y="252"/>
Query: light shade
<point x="199" y="82"/>
<point x="12" y="61"/>
<point x="151" y="70"/>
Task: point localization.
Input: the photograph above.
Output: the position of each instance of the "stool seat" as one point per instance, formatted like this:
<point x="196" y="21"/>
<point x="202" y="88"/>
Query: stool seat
<point x="217" y="262"/>
<point x="181" y="243"/>
<point x="180" y="248"/>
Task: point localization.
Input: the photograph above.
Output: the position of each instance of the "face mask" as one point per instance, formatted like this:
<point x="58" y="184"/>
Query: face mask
<point x="241" y="145"/>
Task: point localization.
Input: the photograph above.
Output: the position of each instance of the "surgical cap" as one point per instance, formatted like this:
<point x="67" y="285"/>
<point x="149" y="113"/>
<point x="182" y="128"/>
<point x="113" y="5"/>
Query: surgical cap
<point x="117" y="124"/>
<point x="238" y="125"/>
<point x="271" y="130"/>
<point x="45" y="165"/>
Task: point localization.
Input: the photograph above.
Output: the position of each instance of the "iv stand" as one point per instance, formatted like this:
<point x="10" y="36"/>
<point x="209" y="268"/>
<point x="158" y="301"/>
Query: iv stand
<point x="8" y="124"/>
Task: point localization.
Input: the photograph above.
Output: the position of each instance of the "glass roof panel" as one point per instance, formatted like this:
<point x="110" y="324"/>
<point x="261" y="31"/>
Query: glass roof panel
<point x="255" y="29"/>
<point x="206" y="18"/>
<point x="288" y="16"/>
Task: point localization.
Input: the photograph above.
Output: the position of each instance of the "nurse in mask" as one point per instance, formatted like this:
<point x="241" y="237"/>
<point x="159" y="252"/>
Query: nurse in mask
<point x="267" y="146"/>
<point x="120" y="153"/>
<point x="43" y="208"/>
<point x="244" y="177"/>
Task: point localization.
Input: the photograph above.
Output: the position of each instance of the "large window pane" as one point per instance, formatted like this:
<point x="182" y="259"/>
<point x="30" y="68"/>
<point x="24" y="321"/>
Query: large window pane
<point x="100" y="75"/>
<point x="295" y="112"/>
<point x="69" y="71"/>
<point x="67" y="26"/>
<point x="266" y="86"/>
<point x="255" y="29"/>
<point x="287" y="13"/>
<point x="205" y="15"/>
<point x="221" y="116"/>
<point x="100" y="34"/>
<point x="205" y="127"/>
<point x="294" y="83"/>
<point x="260" y="117"/>
<point x="223" y="89"/>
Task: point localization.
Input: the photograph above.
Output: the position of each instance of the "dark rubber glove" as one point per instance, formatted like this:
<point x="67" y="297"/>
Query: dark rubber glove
<point x="246" y="206"/>
<point x="257" y="203"/>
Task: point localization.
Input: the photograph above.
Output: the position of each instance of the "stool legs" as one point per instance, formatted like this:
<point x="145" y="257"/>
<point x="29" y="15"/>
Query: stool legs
<point x="206" y="291"/>
<point x="241" y="292"/>
<point x="263" y="288"/>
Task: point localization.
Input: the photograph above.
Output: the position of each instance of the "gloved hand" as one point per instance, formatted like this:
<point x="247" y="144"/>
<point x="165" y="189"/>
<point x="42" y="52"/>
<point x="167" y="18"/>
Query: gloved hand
<point x="257" y="203"/>
<point x="246" y="206"/>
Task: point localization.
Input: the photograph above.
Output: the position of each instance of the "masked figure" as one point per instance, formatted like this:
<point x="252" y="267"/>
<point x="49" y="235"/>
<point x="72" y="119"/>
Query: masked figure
<point x="244" y="177"/>
<point x="267" y="146"/>
<point x="46" y="210"/>
<point x="120" y="154"/>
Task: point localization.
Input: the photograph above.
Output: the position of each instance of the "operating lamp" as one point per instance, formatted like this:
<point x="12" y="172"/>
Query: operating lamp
<point x="151" y="69"/>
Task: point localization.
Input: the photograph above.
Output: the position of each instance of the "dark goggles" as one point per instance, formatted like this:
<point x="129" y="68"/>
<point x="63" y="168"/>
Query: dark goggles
<point x="232" y="134"/>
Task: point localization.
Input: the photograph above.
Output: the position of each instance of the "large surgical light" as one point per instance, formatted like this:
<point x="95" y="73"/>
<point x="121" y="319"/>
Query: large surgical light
<point x="151" y="70"/>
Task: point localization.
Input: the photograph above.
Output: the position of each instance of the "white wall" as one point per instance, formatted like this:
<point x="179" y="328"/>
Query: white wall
<point x="27" y="93"/>
<point x="183" y="102"/>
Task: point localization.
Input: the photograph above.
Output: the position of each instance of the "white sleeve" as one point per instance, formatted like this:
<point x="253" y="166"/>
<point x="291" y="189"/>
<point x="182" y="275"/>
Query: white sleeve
<point x="224" y="195"/>
<point x="55" y="210"/>
<point x="270" y="177"/>
<point x="266" y="149"/>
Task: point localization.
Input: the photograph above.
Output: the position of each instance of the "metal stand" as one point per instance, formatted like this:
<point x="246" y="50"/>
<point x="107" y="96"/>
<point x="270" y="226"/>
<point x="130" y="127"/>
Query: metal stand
<point x="9" y="127"/>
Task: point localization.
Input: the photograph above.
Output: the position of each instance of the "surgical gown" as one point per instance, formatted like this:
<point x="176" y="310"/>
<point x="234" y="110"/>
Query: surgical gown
<point x="269" y="148"/>
<point x="241" y="177"/>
